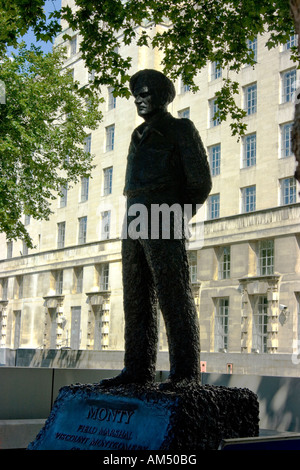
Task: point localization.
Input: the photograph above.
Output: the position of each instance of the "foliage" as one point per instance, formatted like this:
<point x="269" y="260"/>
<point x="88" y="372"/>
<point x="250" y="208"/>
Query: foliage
<point x="192" y="34"/>
<point x="43" y="126"/>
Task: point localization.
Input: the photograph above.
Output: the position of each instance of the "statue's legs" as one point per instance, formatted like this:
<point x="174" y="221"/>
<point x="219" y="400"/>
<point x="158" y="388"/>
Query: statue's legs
<point x="168" y="262"/>
<point x="140" y="311"/>
<point x="158" y="269"/>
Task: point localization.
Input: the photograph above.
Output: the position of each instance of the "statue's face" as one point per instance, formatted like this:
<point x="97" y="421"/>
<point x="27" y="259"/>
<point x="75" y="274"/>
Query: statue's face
<point x="144" y="101"/>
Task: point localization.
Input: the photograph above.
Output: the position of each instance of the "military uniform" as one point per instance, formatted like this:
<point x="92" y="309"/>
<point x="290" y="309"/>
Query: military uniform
<point x="166" y="163"/>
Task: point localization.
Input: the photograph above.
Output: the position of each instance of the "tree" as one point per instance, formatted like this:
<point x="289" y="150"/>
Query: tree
<point x="189" y="33"/>
<point x="44" y="124"/>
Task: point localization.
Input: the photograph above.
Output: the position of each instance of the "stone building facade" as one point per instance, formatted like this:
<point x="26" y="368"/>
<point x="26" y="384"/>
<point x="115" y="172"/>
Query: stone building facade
<point x="244" y="255"/>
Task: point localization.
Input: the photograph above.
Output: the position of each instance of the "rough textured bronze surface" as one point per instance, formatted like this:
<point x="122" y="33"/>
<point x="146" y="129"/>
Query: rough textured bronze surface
<point x="189" y="418"/>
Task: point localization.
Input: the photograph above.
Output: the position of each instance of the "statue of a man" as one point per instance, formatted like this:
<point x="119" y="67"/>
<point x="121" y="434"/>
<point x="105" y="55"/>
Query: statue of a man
<point x="167" y="164"/>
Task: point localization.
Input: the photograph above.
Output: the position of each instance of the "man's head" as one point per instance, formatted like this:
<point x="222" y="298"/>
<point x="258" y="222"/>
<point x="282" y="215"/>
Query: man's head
<point x="152" y="90"/>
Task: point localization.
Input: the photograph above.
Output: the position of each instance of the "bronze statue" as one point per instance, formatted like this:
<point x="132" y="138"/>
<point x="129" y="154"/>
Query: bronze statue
<point x="167" y="164"/>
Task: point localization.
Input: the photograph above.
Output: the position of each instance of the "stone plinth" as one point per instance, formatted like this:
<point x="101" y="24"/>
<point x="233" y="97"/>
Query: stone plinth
<point x="89" y="417"/>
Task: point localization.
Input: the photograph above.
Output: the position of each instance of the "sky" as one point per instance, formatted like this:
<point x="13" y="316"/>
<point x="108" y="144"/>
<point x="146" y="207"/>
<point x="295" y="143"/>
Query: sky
<point x="29" y="38"/>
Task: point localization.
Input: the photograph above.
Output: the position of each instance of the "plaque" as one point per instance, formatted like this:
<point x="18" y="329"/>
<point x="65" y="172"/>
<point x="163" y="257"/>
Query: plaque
<point x="99" y="421"/>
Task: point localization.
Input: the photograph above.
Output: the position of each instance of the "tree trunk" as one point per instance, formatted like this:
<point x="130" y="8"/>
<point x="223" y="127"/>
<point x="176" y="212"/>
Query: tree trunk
<point x="295" y="10"/>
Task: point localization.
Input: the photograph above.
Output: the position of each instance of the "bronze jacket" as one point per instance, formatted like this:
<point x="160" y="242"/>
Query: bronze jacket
<point x="167" y="163"/>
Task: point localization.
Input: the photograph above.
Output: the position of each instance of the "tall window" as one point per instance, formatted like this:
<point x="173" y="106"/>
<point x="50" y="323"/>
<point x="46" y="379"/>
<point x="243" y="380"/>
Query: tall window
<point x="24" y="248"/>
<point x="250" y="97"/>
<point x="82" y="230"/>
<point x="110" y="138"/>
<point x="105" y="225"/>
<point x="73" y="46"/>
<point x="184" y="88"/>
<point x="78" y="272"/>
<point x="215" y="159"/>
<point x="192" y="257"/>
<point x="252" y="47"/>
<point x="288" y="191"/>
<point x="288" y="85"/>
<point x="286" y="139"/>
<point x="224" y="263"/>
<point x="9" y="249"/>
<point x="75" y="327"/>
<point x="260" y="324"/>
<point x="248" y="199"/>
<point x="59" y="281"/>
<point x="266" y="257"/>
<point x="84" y="189"/>
<point x="184" y="113"/>
<point x="4" y="286"/>
<point x="27" y="219"/>
<point x="221" y="324"/>
<point x="216" y="71"/>
<point x="104" y="276"/>
<point x="213" y="109"/>
<point x="63" y="195"/>
<point x="292" y="42"/>
<point x="111" y="98"/>
<point x="214" y="206"/>
<point x="107" y="176"/>
<point x="88" y="144"/>
<point x="249" y="151"/>
<point x="61" y="230"/>
<point x="19" y="287"/>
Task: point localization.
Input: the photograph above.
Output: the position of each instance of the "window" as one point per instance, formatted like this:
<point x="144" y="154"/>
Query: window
<point x="286" y="139"/>
<point x="59" y="281"/>
<point x="252" y="46"/>
<point x="249" y="151"/>
<point x="75" y="327"/>
<point x="192" y="257"/>
<point x="184" y="88"/>
<point x="63" y="195"/>
<point x="110" y="138"/>
<point x="104" y="276"/>
<point x="84" y="189"/>
<point x="19" y="286"/>
<point x="82" y="230"/>
<point x="214" y="206"/>
<point x="216" y="71"/>
<point x="292" y="42"/>
<point x="111" y="98"/>
<point x="248" y="199"/>
<point x="88" y="144"/>
<point x="73" y="46"/>
<point x="184" y="113"/>
<point x="4" y="286"/>
<point x="288" y="85"/>
<point x="221" y="325"/>
<point x="107" y="176"/>
<point x="224" y="263"/>
<point x="61" y="229"/>
<point x="105" y="225"/>
<point x="260" y="324"/>
<point x="27" y="219"/>
<point x="91" y="75"/>
<point x="250" y="98"/>
<point x="266" y="257"/>
<point x="213" y="109"/>
<point x="214" y="153"/>
<point x="78" y="280"/>
<point x="24" y="248"/>
<point x="9" y="249"/>
<point x="288" y="191"/>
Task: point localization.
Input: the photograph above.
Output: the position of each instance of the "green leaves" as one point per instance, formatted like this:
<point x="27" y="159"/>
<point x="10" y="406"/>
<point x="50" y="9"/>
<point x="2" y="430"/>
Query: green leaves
<point x="44" y="121"/>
